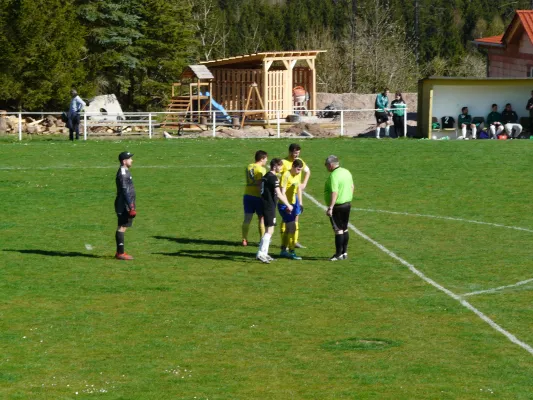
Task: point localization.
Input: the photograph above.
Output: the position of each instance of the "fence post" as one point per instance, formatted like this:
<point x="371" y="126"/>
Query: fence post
<point x="214" y="123"/>
<point x="84" y="126"/>
<point x="20" y="126"/>
<point x="278" y="123"/>
<point x="150" y="125"/>
<point x="342" y="122"/>
<point x="405" y="123"/>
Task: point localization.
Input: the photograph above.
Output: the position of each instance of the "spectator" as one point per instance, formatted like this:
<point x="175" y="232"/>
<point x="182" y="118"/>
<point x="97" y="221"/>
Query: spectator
<point x="465" y="122"/>
<point x="510" y="122"/>
<point x="494" y="120"/>
<point x="529" y="107"/>
<point x="382" y="113"/>
<point x="76" y="105"/>
<point x="398" y="107"/>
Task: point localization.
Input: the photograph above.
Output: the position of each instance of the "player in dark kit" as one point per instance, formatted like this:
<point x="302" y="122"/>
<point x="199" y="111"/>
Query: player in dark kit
<point x="270" y="193"/>
<point x="124" y="202"/>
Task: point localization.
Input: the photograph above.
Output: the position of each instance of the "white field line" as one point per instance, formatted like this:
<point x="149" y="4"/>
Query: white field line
<point x="499" y="288"/>
<point x="454" y="296"/>
<point x="74" y="167"/>
<point x="445" y="218"/>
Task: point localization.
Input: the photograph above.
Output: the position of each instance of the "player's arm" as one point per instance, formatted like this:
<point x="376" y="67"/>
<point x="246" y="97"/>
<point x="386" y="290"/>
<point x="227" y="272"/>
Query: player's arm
<point x="283" y="198"/>
<point x="300" y="197"/>
<point x="334" y="195"/>
<point x="307" y="175"/>
<point x="124" y="188"/>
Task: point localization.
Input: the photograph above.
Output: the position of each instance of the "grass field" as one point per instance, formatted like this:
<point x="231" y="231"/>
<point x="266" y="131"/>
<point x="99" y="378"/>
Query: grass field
<point x="195" y="316"/>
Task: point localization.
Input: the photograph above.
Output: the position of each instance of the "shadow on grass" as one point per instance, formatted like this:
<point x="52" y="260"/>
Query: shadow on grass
<point x="227" y="255"/>
<point x="56" y="253"/>
<point x="212" y="254"/>
<point x="214" y="242"/>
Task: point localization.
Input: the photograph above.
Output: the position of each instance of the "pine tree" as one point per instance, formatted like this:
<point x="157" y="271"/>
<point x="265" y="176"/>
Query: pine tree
<point x="42" y="48"/>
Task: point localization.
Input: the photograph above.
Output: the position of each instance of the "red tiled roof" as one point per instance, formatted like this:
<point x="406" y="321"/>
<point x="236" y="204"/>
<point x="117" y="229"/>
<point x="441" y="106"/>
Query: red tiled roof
<point x="524" y="17"/>
<point x="490" y="40"/>
<point x="526" y="20"/>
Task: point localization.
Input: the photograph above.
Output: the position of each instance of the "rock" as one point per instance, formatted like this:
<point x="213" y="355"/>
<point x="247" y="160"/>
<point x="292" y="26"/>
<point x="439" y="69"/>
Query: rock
<point x="110" y="130"/>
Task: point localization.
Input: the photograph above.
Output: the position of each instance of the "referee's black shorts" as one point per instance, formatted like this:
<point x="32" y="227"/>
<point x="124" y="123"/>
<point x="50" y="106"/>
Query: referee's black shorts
<point x="340" y="216"/>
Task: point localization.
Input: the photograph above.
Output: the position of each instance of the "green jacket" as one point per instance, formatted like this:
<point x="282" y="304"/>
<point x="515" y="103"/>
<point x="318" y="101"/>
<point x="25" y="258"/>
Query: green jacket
<point x="493" y="117"/>
<point x="382" y="103"/>
<point x="464" y="119"/>
<point x="398" y="107"/>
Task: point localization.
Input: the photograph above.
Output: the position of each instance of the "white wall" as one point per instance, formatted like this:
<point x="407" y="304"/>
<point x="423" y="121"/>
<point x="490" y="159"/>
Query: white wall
<point x="448" y="100"/>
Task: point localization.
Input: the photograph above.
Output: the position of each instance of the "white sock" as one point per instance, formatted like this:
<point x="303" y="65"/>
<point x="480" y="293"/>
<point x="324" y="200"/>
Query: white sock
<point x="265" y="243"/>
<point x="387" y="130"/>
<point x="377" y="132"/>
<point x="474" y="132"/>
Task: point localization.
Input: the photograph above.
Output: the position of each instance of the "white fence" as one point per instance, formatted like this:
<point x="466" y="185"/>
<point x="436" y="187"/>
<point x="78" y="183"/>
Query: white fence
<point x="148" y="122"/>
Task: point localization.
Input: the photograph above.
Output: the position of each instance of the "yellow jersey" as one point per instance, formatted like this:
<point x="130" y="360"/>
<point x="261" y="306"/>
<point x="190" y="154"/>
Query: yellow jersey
<point x="290" y="183"/>
<point x="254" y="174"/>
<point x="287" y="165"/>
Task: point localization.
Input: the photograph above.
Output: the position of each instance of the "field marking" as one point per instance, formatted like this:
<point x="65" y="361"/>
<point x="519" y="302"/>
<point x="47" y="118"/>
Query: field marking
<point x="421" y="275"/>
<point x="115" y="167"/>
<point x="498" y="288"/>
<point x="517" y="228"/>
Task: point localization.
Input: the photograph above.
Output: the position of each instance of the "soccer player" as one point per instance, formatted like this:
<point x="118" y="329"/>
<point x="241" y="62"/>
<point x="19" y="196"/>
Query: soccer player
<point x="494" y="120"/>
<point x="124" y="202"/>
<point x="382" y="113"/>
<point x="270" y="193"/>
<point x="464" y="120"/>
<point x="294" y="153"/>
<point x="290" y="187"/>
<point x="338" y="194"/>
<point x="252" y="195"/>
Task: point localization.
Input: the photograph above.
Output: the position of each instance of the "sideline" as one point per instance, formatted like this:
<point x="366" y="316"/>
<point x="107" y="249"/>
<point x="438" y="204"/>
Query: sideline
<point x="415" y="271"/>
<point x="115" y="166"/>
<point x="445" y="218"/>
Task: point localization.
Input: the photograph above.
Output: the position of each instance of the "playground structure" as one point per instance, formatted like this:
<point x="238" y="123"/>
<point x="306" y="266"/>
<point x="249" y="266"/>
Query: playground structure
<point x="261" y="86"/>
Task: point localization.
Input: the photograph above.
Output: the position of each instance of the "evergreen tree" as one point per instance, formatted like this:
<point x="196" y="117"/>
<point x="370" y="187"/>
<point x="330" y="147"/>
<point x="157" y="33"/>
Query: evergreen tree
<point x="42" y="48"/>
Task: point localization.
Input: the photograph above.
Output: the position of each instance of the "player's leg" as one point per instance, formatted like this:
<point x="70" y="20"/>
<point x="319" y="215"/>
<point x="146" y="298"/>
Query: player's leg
<point x="499" y="130"/>
<point x="492" y="130"/>
<point x="518" y="130"/>
<point x="387" y="127"/>
<point x="124" y="221"/>
<point x="260" y="217"/>
<point x="270" y="222"/>
<point x="463" y="131"/>
<point x="291" y="229"/>
<point x="249" y="210"/>
<point x="297" y="243"/>
<point x="474" y="131"/>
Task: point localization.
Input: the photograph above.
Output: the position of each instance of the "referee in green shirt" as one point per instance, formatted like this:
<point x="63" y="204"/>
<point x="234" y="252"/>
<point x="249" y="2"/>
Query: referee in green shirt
<point x="338" y="194"/>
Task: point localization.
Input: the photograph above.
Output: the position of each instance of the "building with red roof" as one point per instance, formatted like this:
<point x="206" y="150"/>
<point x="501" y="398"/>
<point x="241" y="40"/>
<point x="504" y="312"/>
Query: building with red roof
<point x="510" y="55"/>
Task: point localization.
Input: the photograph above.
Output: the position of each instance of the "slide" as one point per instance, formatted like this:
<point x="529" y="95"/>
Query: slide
<point x="218" y="107"/>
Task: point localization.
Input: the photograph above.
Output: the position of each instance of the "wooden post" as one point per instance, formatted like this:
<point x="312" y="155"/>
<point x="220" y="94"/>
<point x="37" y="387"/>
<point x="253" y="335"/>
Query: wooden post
<point x="312" y="97"/>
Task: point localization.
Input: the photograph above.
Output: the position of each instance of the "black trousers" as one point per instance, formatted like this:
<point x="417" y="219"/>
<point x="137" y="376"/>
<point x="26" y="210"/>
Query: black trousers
<point x="74" y="126"/>
<point x="398" y="125"/>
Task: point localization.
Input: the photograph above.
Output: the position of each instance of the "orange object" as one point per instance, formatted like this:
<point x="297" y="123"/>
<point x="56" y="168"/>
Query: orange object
<point x="298" y="91"/>
<point x="503" y="137"/>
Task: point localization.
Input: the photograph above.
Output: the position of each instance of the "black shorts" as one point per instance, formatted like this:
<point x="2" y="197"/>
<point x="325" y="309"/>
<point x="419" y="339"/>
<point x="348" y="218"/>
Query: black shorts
<point x="269" y="215"/>
<point x="381" y="117"/>
<point x="340" y="216"/>
<point x="125" y="220"/>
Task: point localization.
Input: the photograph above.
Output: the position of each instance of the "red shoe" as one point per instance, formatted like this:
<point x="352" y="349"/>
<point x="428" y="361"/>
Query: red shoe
<point x="123" y="256"/>
<point x="245" y="242"/>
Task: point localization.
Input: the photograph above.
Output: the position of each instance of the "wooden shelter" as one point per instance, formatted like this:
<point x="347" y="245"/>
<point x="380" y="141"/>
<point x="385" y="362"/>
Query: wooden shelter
<point x="275" y="73"/>
<point x="190" y="96"/>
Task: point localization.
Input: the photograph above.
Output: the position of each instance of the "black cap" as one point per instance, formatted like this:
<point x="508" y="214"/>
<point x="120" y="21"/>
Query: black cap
<point x="124" y="156"/>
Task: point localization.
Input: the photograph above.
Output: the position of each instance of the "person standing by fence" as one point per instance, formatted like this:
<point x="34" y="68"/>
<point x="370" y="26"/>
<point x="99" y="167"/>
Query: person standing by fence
<point x="76" y="105"/>
<point x="398" y="107"/>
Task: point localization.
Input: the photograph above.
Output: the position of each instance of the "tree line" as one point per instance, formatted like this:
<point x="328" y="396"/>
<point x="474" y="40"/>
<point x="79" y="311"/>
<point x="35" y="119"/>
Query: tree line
<point x="136" y="48"/>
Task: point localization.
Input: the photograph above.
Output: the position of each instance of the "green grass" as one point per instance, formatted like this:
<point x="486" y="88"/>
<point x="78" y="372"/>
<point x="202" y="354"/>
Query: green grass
<point x="196" y="316"/>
